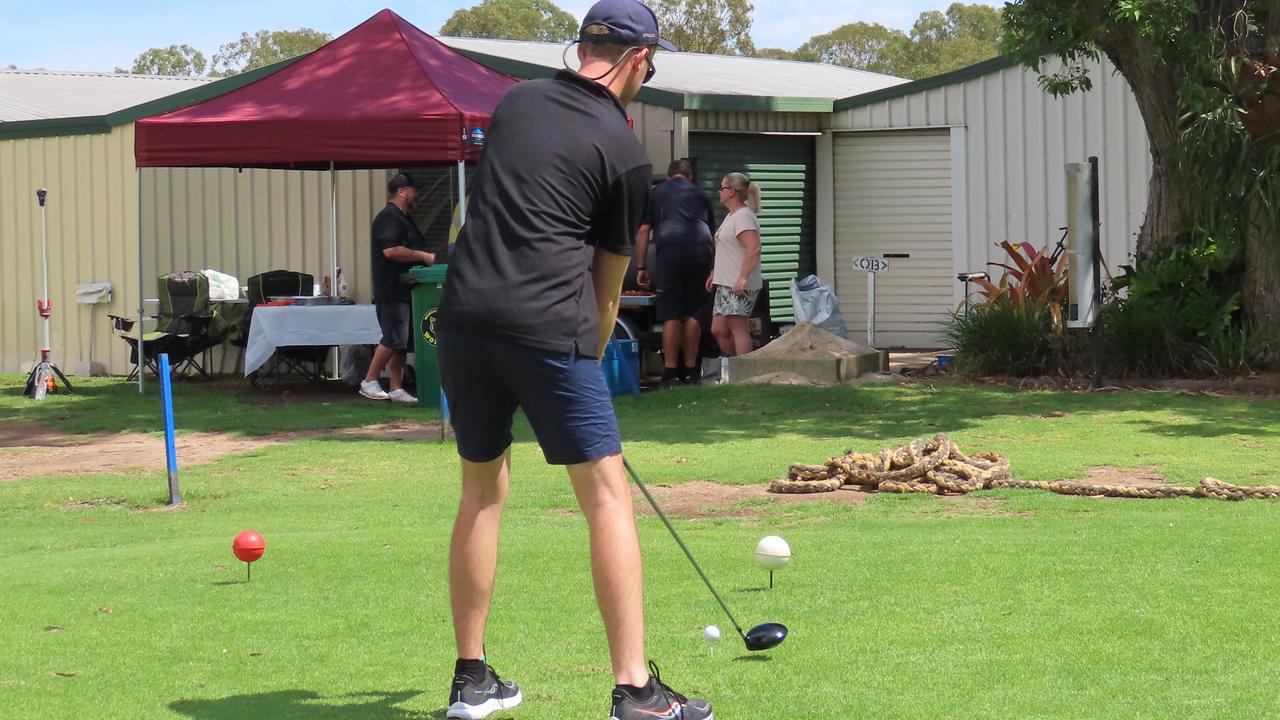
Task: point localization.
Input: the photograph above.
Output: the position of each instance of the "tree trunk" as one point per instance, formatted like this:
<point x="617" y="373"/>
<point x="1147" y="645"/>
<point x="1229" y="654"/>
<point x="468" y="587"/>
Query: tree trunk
<point x="1260" y="295"/>
<point x="1166" y="210"/>
<point x="1155" y="90"/>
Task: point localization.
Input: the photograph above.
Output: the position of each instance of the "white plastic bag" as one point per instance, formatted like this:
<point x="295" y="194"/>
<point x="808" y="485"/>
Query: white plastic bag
<point x="222" y="287"/>
<point x="815" y="302"/>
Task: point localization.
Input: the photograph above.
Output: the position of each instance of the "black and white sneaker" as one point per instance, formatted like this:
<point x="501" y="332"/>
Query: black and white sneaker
<point x="656" y="701"/>
<point x="472" y="700"/>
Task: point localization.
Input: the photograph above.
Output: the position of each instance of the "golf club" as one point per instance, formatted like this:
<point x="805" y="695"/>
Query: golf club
<point x="760" y="637"/>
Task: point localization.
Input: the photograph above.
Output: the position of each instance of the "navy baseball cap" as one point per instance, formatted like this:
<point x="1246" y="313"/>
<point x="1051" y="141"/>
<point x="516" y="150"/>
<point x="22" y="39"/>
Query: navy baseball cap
<point x="625" y="22"/>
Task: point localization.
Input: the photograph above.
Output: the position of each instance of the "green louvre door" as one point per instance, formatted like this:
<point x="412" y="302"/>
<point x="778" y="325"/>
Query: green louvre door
<point x="783" y="166"/>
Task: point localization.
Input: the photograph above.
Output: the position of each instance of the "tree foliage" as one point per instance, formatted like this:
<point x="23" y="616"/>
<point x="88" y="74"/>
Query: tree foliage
<point x="721" y="27"/>
<point x="939" y="42"/>
<point x="172" y="60"/>
<point x="265" y="47"/>
<point x="865" y="46"/>
<point x="538" y="20"/>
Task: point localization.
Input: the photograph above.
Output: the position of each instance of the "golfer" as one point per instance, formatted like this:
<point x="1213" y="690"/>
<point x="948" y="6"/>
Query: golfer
<point x="530" y="301"/>
<point x="681" y="219"/>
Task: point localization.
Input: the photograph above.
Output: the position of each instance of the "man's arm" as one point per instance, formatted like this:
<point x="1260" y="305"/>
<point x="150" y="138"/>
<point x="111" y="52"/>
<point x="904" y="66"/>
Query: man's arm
<point x="607" y="273"/>
<point x="642" y="254"/>
<point x="400" y="253"/>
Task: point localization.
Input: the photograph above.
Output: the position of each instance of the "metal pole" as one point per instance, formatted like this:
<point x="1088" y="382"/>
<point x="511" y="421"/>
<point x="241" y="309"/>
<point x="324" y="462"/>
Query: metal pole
<point x="871" y="309"/>
<point x="44" y="263"/>
<point x="141" y="292"/>
<point x="462" y="193"/>
<point x="333" y="246"/>
<point x="170" y="449"/>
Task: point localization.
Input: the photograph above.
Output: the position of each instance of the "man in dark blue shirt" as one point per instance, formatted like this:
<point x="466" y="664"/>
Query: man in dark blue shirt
<point x="681" y="220"/>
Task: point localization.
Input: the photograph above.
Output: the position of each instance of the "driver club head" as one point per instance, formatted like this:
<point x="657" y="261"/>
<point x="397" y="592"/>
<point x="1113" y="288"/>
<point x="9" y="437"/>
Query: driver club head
<point x="765" y="636"/>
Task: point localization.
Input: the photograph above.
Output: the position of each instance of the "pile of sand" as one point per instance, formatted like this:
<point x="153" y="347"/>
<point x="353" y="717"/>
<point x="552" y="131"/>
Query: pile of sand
<point x="807" y="340"/>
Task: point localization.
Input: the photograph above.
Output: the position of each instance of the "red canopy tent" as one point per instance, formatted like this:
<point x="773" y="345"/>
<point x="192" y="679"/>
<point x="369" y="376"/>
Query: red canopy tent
<point x="385" y="94"/>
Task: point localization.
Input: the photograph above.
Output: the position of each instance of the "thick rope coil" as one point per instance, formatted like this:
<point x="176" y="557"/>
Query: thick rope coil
<point x="937" y="465"/>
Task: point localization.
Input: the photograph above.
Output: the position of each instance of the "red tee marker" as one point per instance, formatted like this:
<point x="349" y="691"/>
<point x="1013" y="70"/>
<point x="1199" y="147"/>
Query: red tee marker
<point x="248" y="546"/>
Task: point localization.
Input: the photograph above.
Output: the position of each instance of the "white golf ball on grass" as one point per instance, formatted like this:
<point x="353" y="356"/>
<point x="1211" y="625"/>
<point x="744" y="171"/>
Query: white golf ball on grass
<point x="711" y="633"/>
<point x="773" y="553"/>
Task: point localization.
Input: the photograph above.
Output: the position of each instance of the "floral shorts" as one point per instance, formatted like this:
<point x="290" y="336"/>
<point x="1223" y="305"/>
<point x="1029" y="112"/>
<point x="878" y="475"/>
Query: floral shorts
<point x="726" y="303"/>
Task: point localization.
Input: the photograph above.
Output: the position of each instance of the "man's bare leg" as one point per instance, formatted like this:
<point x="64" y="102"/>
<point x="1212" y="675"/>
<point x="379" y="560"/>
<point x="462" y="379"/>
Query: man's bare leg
<point x="692" y="341"/>
<point x="473" y="553"/>
<point x="605" y="499"/>
<point x="671" y="345"/>
<point x="381" y="356"/>
<point x="395" y="368"/>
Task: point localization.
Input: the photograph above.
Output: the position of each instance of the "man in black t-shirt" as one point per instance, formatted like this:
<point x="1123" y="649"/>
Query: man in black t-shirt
<point x="529" y="304"/>
<point x="681" y="219"/>
<point x="397" y="246"/>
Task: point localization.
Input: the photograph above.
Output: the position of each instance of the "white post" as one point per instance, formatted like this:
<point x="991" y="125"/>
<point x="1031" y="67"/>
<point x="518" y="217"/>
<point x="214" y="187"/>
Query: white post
<point x="462" y="193"/>
<point x="333" y="223"/>
<point x="871" y="309"/>
<point x="333" y="248"/>
<point x="141" y="292"/>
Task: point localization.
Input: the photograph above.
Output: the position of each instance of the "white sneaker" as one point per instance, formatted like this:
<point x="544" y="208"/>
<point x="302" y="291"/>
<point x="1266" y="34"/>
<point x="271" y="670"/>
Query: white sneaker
<point x="372" y="389"/>
<point x="401" y="395"/>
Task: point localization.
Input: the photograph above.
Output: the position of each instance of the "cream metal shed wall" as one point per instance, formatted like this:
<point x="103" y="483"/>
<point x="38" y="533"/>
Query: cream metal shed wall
<point x="1009" y="142"/>
<point x="92" y="229"/>
<point x="239" y="222"/>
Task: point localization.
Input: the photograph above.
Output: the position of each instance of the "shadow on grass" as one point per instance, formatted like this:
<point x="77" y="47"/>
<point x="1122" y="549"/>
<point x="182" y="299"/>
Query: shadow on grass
<point x="711" y="415"/>
<point x="702" y="415"/>
<point x="290" y="704"/>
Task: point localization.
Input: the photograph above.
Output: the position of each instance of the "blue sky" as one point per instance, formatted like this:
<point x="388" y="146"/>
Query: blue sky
<point x="101" y="35"/>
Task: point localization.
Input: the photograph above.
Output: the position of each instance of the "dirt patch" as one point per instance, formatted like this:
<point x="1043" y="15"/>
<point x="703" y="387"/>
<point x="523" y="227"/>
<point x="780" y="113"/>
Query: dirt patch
<point x="34" y="450"/>
<point x="395" y="430"/>
<point x="1137" y="477"/>
<point x="704" y="499"/>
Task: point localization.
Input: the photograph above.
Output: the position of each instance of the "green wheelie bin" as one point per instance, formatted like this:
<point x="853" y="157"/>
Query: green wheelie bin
<point x="428" y="288"/>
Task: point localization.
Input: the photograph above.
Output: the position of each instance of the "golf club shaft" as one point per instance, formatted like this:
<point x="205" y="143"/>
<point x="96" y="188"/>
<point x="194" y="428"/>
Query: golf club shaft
<point x="662" y="516"/>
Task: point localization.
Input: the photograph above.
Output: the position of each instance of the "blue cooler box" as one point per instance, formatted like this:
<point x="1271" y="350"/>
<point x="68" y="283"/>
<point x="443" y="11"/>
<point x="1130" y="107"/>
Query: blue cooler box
<point x="621" y="366"/>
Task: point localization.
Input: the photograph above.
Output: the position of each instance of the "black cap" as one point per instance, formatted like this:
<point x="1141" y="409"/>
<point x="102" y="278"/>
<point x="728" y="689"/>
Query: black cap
<point x="397" y="182"/>
<point x="625" y="22"/>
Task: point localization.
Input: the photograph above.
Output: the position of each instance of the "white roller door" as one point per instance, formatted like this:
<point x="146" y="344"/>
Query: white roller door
<point x="893" y="201"/>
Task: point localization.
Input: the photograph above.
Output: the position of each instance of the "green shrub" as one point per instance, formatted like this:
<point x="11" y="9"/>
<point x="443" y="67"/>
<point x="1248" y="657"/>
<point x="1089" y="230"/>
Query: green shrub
<point x="1178" y="313"/>
<point x="1002" y="338"/>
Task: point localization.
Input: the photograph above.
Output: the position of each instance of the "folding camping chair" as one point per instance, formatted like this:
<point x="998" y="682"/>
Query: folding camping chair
<point x="181" y="326"/>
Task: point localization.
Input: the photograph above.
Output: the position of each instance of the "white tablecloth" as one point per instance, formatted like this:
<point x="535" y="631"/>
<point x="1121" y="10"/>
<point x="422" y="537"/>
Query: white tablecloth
<point x="293" y="325"/>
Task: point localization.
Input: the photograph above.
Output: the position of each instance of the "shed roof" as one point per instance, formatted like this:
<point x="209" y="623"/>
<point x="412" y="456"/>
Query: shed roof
<point x="49" y="94"/>
<point x="694" y="81"/>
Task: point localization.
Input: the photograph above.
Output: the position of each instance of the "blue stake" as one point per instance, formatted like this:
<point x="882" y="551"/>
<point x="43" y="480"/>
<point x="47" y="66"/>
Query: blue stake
<point x="171" y="452"/>
<point x="445" y="415"/>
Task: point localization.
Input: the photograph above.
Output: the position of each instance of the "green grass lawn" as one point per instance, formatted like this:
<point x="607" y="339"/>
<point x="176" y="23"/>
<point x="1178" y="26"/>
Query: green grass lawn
<point x="1010" y="604"/>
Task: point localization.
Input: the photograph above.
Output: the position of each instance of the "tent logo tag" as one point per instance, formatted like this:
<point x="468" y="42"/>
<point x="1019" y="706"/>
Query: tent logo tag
<point x="477" y="136"/>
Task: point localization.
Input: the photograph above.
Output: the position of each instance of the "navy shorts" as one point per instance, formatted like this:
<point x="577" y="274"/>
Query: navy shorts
<point x="563" y="394"/>
<point x="393" y="319"/>
<point x="682" y="289"/>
